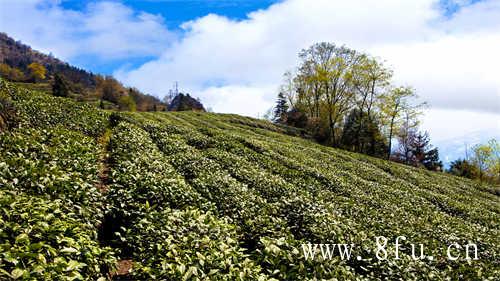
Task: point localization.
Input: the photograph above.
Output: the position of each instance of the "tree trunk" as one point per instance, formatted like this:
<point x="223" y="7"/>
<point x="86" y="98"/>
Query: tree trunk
<point x="358" y="131"/>
<point x="390" y="138"/>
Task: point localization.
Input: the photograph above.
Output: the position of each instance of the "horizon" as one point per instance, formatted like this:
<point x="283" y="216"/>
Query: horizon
<point x="444" y="49"/>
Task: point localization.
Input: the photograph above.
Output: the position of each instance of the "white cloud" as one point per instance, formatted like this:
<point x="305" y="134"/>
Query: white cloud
<point x="106" y="30"/>
<point x="249" y="101"/>
<point x="454" y="131"/>
<point x="439" y="122"/>
<point x="451" y="62"/>
<point x="452" y="72"/>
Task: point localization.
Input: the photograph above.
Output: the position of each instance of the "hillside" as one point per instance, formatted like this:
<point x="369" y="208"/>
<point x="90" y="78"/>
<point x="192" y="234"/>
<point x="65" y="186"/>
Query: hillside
<point x="18" y="55"/>
<point x="82" y="85"/>
<point x="88" y="194"/>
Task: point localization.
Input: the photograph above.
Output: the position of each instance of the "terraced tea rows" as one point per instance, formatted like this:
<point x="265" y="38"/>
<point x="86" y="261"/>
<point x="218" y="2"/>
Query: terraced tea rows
<point x="193" y="196"/>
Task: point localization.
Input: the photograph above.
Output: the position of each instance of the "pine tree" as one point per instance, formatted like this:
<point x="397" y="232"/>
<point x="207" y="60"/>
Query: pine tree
<point x="363" y="136"/>
<point x="416" y="150"/>
<point x="60" y="87"/>
<point x="281" y="109"/>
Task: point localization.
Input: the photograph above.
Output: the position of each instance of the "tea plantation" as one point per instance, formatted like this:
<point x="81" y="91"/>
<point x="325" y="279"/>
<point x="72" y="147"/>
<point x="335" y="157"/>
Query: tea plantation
<point x="202" y="196"/>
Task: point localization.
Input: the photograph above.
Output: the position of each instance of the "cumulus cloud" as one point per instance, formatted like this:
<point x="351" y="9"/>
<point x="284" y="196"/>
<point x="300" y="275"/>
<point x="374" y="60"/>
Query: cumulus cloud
<point x="450" y="61"/>
<point x="452" y="72"/>
<point x="106" y="30"/>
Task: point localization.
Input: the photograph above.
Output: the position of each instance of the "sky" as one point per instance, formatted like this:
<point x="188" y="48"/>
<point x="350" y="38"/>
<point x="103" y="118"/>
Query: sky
<point x="232" y="54"/>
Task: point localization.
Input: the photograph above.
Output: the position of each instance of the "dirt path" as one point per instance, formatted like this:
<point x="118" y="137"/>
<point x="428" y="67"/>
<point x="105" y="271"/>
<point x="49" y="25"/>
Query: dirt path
<point x="103" y="174"/>
<point x="123" y="266"/>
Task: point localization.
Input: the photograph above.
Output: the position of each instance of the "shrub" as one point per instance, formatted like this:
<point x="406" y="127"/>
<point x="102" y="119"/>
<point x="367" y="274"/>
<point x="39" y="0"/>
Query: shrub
<point x="43" y="239"/>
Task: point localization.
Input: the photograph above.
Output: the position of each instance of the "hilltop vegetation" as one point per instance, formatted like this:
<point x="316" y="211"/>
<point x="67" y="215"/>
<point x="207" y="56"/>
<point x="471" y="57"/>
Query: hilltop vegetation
<point x="20" y="63"/>
<point x="196" y="196"/>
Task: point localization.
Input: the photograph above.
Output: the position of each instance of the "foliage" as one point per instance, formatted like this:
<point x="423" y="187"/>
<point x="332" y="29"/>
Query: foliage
<point x="11" y="73"/>
<point x="50" y="208"/>
<point x="486" y="158"/>
<point x="37" y="71"/>
<point x="189" y="245"/>
<point x="397" y="113"/>
<point x="52" y="162"/>
<point x="18" y="59"/>
<point x="60" y="86"/>
<point x="281" y="108"/>
<point x="307" y="192"/>
<point x="463" y="168"/>
<point x="415" y="149"/>
<point x="361" y="134"/>
<point x="18" y="56"/>
<point x="43" y="239"/>
<point x="41" y="110"/>
<point x="184" y="102"/>
<point x="334" y="82"/>
<point x="126" y="103"/>
<point x="8" y="115"/>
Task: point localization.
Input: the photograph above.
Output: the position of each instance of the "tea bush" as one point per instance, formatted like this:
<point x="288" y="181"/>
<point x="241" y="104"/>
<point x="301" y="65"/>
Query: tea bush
<point x="202" y="196"/>
<point x="45" y="240"/>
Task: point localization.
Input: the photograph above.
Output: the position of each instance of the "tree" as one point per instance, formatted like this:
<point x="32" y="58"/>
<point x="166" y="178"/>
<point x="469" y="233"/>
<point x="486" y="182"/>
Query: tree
<point x="363" y="136"/>
<point x="431" y="160"/>
<point x="11" y="73"/>
<point x="8" y="116"/>
<point x="463" y="168"/>
<point x="60" y="86"/>
<point x="108" y="88"/>
<point x="392" y="106"/>
<point x="126" y="103"/>
<point x="481" y="154"/>
<point x="483" y="165"/>
<point x="494" y="159"/>
<point x="331" y="81"/>
<point x="326" y="83"/>
<point x="486" y="157"/>
<point x="423" y="154"/>
<point x="37" y="71"/>
<point x="288" y="88"/>
<point x="281" y="109"/>
<point x="371" y="78"/>
<point x="414" y="148"/>
<point x="296" y="118"/>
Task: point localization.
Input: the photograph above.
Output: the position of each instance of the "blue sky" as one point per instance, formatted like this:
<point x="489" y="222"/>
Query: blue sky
<point x="178" y="11"/>
<point x="174" y="13"/>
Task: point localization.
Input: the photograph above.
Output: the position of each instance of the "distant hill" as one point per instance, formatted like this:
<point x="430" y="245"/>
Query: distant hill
<point x="18" y="55"/>
<point x="83" y="84"/>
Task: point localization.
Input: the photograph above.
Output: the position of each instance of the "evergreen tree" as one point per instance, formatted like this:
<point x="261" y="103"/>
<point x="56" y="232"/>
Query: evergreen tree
<point x="431" y="160"/>
<point x="8" y="116"/>
<point x="362" y="134"/>
<point x="281" y="109"/>
<point x="415" y="149"/>
<point x="60" y="87"/>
